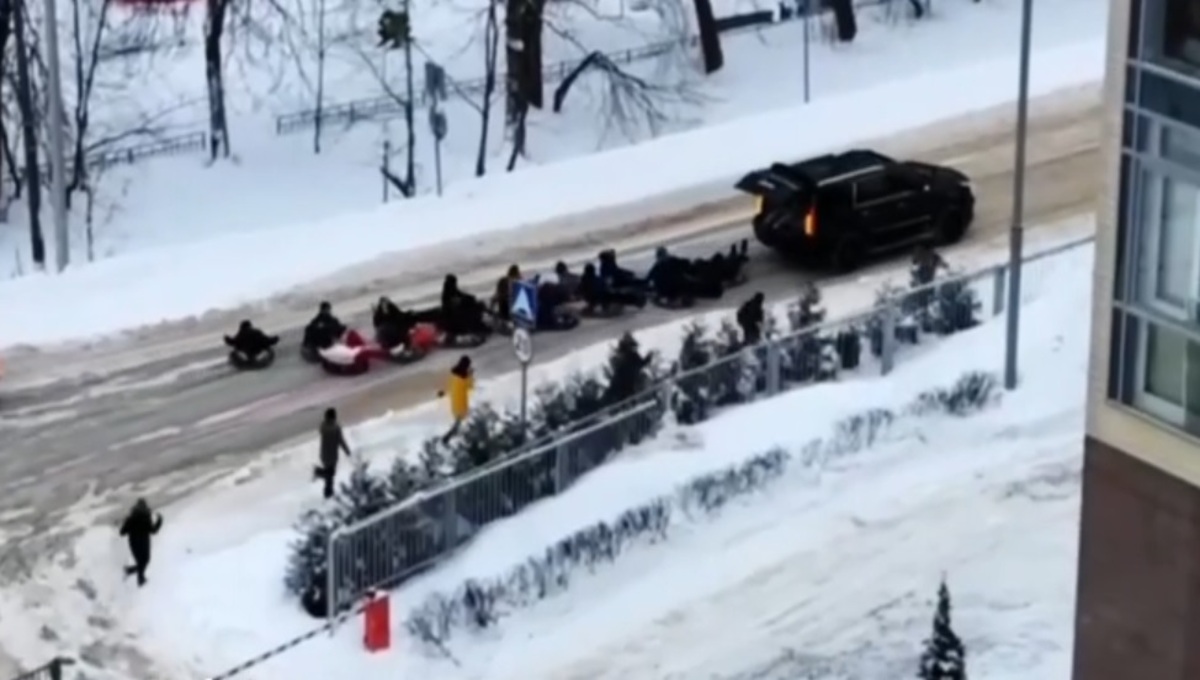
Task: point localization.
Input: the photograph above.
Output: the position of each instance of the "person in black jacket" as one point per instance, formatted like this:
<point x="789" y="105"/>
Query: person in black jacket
<point x="138" y="527"/>
<point x="750" y="317"/>
<point x="251" y="343"/>
<point x="332" y="441"/>
<point x="324" y="330"/>
<point x="598" y="295"/>
<point x="669" y="276"/>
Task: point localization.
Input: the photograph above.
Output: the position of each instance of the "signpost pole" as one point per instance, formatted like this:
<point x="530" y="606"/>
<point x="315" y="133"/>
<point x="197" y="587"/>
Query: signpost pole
<point x="523" y="311"/>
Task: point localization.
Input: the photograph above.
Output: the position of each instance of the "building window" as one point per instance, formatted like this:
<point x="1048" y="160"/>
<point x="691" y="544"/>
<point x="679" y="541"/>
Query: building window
<point x="1168" y="375"/>
<point x="1181" y="31"/>
<point x="1165" y="92"/>
<point x="1169" y="266"/>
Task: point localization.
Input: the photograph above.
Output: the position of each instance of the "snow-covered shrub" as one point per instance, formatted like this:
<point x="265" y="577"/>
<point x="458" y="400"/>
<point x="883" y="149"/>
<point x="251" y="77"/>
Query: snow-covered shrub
<point x="483" y="602"/>
<point x="955" y="307"/>
<point x="971" y="393"/>
<point x="897" y="299"/>
<point x="691" y="399"/>
<point x="736" y="373"/>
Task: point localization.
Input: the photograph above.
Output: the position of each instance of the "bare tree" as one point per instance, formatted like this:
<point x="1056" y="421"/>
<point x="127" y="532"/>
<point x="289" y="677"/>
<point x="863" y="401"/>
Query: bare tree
<point x="6" y="12"/>
<point x="491" y="50"/>
<point x="395" y="32"/>
<point x="216" y="13"/>
<point x="29" y="118"/>
<point x="631" y="104"/>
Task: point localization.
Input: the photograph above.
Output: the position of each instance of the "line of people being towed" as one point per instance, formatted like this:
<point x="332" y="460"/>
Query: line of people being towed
<point x="601" y="290"/>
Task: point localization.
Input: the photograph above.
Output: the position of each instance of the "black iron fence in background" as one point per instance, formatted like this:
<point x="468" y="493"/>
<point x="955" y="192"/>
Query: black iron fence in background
<point x="54" y="670"/>
<point x="383" y="107"/>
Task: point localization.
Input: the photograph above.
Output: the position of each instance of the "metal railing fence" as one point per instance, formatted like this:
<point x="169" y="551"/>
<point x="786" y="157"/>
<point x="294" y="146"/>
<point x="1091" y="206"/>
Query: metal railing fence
<point x="381" y="551"/>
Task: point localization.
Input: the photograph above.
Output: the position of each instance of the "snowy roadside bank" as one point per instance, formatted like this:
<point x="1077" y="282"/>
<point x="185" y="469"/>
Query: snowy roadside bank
<point x="591" y="198"/>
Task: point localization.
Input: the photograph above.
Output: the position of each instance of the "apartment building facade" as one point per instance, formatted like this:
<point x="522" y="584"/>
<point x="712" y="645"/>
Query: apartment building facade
<point x="1138" y="609"/>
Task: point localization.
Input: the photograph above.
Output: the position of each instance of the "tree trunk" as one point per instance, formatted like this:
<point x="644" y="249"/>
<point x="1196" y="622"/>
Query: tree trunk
<point x="410" y="178"/>
<point x="29" y="115"/>
<point x="5" y="157"/>
<point x="531" y="74"/>
<point x="514" y="62"/>
<point x="491" y="48"/>
<point x="710" y="37"/>
<point x="218" y="125"/>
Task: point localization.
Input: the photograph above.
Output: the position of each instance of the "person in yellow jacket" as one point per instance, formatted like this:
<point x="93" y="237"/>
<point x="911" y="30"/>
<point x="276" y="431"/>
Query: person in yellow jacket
<point x="458" y="388"/>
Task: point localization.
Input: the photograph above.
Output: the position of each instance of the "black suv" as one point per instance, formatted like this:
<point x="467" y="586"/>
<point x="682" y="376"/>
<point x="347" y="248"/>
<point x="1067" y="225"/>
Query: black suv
<point x="841" y="209"/>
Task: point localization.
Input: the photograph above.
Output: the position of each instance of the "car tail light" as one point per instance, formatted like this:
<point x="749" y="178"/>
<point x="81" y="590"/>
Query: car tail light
<point x="810" y="223"/>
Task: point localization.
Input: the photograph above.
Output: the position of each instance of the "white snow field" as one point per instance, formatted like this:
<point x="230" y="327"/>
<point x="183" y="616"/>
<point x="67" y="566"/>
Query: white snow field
<point x="274" y="181"/>
<point x="832" y="566"/>
<point x="673" y="173"/>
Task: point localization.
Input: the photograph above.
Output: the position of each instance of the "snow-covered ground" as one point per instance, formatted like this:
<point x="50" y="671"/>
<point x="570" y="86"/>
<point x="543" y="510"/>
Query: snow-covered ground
<point x="832" y="564"/>
<point x="274" y="181"/>
<point x="549" y="202"/>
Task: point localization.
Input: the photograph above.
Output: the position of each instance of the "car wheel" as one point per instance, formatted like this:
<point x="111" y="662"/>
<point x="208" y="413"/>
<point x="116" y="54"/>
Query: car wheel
<point x="950" y="228"/>
<point x="847" y="254"/>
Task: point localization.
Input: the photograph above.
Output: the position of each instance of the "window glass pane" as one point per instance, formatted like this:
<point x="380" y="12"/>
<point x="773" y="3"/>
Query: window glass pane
<point x="1192" y="382"/>
<point x="1181" y="147"/>
<point x="871" y="188"/>
<point x="1181" y="31"/>
<point x="1170" y="98"/>
<point x="1177" y="242"/>
<point x="1165" y="356"/>
<point x="1170" y="222"/>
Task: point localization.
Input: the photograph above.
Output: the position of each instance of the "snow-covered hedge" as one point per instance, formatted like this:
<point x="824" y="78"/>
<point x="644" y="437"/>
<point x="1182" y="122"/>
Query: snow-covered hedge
<point x="730" y="376"/>
<point x="481" y="603"/>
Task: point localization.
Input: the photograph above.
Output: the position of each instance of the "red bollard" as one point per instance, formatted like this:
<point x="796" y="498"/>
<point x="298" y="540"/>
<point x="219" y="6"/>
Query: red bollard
<point x="377" y="622"/>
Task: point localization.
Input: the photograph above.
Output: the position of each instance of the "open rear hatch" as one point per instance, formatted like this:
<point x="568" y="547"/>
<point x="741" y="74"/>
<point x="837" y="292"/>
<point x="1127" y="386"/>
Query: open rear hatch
<point x="785" y="201"/>
<point x="776" y="184"/>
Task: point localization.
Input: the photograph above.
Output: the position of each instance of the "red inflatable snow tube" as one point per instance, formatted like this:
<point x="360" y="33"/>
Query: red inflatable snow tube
<point x="423" y="338"/>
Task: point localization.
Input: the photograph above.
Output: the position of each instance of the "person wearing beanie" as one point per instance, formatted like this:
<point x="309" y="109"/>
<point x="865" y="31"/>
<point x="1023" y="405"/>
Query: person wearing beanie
<point x="332" y="441"/>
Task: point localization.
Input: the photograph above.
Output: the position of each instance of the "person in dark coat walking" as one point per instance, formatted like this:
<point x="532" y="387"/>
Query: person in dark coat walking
<point x="332" y="441"/>
<point x="750" y="317"/>
<point x="138" y="527"/>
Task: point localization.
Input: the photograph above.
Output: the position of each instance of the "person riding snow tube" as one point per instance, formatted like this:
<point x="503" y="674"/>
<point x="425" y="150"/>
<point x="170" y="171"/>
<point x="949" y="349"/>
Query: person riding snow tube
<point x="568" y="281"/>
<point x="600" y="300"/>
<point x="461" y="318"/>
<point x="323" y="331"/>
<point x="727" y="268"/>
<point x="392" y="329"/>
<point x="551" y="315"/>
<point x="250" y="348"/>
<point x="616" y="278"/>
<point x="671" y="280"/>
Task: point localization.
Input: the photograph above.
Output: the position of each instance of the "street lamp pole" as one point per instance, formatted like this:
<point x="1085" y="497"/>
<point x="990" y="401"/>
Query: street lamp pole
<point x="58" y="184"/>
<point x="1016" y="234"/>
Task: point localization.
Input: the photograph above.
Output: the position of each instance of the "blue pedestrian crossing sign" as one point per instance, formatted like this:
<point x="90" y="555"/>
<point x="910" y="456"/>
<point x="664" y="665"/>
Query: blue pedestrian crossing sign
<point x="524" y="303"/>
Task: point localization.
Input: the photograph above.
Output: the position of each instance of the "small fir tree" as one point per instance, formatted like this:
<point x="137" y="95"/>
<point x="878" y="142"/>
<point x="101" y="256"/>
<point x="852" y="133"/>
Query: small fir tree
<point x="587" y="394"/>
<point x="309" y="554"/>
<point x="811" y="356"/>
<point x="954" y="308"/>
<point x="944" y="657"/>
<point x="405" y="479"/>
<point x="628" y="371"/>
<point x="362" y="495"/>
<point x="736" y="375"/>
<point x="692" y="400"/>
<point x="553" y="409"/>
<point x="474" y="446"/>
